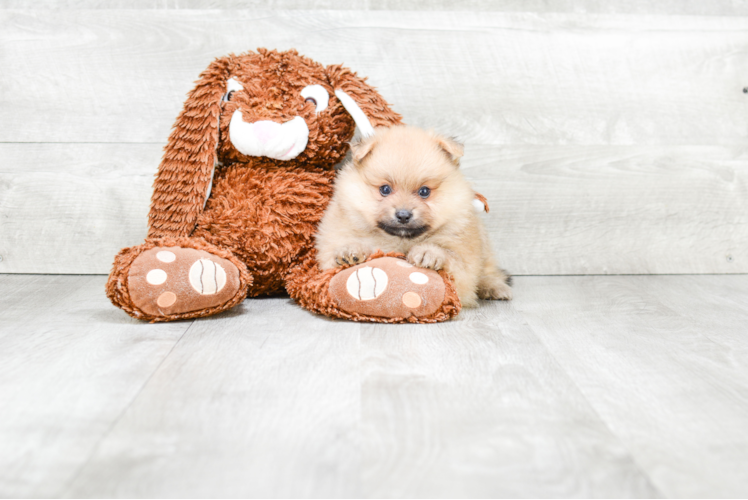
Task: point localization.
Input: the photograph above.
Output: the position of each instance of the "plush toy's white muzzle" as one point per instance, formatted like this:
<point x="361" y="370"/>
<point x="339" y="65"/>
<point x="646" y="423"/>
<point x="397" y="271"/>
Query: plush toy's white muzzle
<point x="280" y="141"/>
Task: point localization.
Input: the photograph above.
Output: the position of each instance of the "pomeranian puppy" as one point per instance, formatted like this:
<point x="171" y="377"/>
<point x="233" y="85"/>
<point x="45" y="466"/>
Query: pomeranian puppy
<point x="403" y="192"/>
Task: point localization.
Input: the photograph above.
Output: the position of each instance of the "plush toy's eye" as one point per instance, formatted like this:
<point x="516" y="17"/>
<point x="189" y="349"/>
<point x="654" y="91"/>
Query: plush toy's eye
<point x="424" y="192"/>
<point x="231" y="87"/>
<point x="385" y="190"/>
<point x="317" y="95"/>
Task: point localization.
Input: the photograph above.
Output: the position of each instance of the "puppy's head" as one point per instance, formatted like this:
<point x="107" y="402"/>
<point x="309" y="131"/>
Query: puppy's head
<point x="407" y="181"/>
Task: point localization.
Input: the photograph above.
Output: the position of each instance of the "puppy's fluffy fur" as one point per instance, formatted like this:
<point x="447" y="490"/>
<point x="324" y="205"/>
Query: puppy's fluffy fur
<point x="436" y="227"/>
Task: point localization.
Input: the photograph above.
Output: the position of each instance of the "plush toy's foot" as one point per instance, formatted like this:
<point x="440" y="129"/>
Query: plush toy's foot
<point x="173" y="280"/>
<point x="384" y="289"/>
<point x="388" y="287"/>
<point x="167" y="282"/>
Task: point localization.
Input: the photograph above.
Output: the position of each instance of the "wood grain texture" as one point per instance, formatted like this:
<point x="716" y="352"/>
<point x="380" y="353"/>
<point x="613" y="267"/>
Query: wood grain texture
<point x="70" y="363"/>
<point x="262" y="401"/>
<point x="605" y="386"/>
<point x="679" y="7"/>
<point x="488" y="77"/>
<point x="478" y="408"/>
<point x="68" y="208"/>
<point x="615" y="209"/>
<point x="605" y="143"/>
<point x="662" y="366"/>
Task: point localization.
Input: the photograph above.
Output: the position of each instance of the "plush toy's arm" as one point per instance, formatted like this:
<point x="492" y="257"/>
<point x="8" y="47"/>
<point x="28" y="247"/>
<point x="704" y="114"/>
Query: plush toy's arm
<point x="185" y="173"/>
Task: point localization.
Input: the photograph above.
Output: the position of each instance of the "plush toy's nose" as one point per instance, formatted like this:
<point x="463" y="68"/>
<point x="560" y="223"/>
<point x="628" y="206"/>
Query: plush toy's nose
<point x="280" y="141"/>
<point x="266" y="130"/>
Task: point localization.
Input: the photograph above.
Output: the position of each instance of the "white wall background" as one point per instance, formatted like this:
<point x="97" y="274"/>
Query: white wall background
<point x="609" y="137"/>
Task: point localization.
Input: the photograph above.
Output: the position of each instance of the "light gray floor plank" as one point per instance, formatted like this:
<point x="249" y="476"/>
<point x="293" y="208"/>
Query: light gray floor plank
<point x="487" y="77"/>
<point x="478" y="408"/>
<point x="676" y="7"/>
<point x="262" y="401"/>
<point x="718" y="307"/>
<point x="582" y="386"/>
<point x="606" y="209"/>
<point x="69" y="365"/>
<point x="666" y="373"/>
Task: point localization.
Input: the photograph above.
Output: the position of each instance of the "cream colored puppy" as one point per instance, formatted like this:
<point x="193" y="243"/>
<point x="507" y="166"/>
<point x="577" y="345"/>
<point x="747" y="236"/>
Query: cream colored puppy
<point x="403" y="192"/>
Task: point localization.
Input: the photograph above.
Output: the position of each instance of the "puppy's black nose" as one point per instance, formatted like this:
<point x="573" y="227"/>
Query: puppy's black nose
<point x="403" y="216"/>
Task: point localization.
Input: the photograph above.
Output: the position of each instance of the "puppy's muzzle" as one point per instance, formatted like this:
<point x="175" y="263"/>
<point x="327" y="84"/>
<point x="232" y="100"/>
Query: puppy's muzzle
<point x="403" y="225"/>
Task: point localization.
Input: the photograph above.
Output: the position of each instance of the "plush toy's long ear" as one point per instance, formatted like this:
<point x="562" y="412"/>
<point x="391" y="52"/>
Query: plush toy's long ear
<point x="186" y="171"/>
<point x="362" y="101"/>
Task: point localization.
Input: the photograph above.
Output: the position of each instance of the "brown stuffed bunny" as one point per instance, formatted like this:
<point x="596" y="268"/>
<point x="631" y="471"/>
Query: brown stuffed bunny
<point x="246" y="176"/>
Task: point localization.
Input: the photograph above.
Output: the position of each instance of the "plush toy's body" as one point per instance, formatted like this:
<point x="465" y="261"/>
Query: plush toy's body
<point x="266" y="217"/>
<point x="245" y="179"/>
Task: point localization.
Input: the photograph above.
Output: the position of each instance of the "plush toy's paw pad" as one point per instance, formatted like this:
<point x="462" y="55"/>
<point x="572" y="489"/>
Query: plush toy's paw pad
<point x="388" y="288"/>
<point x="174" y="280"/>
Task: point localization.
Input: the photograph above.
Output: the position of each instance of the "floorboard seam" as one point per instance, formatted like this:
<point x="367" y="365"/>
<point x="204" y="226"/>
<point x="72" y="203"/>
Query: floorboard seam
<point x="593" y="408"/>
<point x="94" y="449"/>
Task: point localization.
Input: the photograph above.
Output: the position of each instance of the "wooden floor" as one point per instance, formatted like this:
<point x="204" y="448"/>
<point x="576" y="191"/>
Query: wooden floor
<point x="597" y="386"/>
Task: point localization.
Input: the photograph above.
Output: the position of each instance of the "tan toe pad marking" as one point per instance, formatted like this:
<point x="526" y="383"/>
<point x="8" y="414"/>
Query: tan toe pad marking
<point x="166" y="299"/>
<point x="411" y="299"/>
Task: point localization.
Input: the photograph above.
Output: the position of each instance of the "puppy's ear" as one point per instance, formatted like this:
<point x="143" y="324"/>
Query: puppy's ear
<point x="361" y="149"/>
<point x="361" y="100"/>
<point x="184" y="177"/>
<point x="453" y="149"/>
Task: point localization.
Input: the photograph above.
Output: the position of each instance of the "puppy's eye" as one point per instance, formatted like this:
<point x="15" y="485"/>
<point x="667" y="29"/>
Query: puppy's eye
<point x="385" y="190"/>
<point x="317" y="95"/>
<point x="227" y="97"/>
<point x="424" y="192"/>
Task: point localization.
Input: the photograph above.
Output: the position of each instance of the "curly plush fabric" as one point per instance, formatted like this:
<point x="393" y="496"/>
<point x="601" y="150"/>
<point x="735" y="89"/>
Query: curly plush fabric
<point x="258" y="213"/>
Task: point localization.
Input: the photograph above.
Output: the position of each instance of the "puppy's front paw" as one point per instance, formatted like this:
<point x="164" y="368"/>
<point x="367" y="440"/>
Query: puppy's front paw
<point x="350" y="255"/>
<point x="428" y="256"/>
